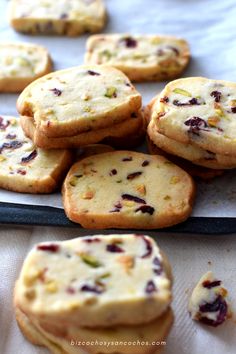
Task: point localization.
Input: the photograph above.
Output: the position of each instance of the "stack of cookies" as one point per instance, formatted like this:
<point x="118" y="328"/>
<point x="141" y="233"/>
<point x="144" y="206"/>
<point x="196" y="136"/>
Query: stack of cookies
<point x="80" y="106"/>
<point x="96" y="294"/>
<point x="194" y="119"/>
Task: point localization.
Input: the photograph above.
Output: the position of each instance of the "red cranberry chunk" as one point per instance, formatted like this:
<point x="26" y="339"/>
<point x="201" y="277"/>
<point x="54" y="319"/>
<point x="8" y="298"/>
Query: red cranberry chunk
<point x="56" y="92"/>
<point x="145" y="163"/>
<point x="11" y="136"/>
<point x="133" y="175"/>
<point x="21" y="172"/>
<point x="145" y="209"/>
<point x="216" y="95"/>
<point x="164" y="99"/>
<point x="113" y="172"/>
<point x="125" y="159"/>
<point x="220" y="306"/>
<point x="211" y="284"/>
<point x="70" y="290"/>
<point x="93" y="73"/>
<point x="92" y="240"/>
<point x="15" y="144"/>
<point x="196" y="124"/>
<point x="2" y="125"/>
<point x="233" y="109"/>
<point x="150" y="287"/>
<point x="133" y="198"/>
<point x="49" y="248"/>
<point x="97" y="289"/>
<point x="113" y="248"/>
<point x="129" y="42"/>
<point x="30" y="157"/>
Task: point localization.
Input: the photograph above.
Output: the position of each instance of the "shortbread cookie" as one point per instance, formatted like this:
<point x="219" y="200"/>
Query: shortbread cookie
<point x="125" y="189"/>
<point x="140" y="57"/>
<point x="20" y="64"/>
<point x="75" y="100"/>
<point x="189" y="151"/>
<point x="69" y="340"/>
<point x="79" y="281"/>
<point x="199" y="111"/>
<point x="25" y="168"/>
<point x="69" y="17"/>
<point x="195" y="171"/>
<point x="117" y="131"/>
<point x="208" y="303"/>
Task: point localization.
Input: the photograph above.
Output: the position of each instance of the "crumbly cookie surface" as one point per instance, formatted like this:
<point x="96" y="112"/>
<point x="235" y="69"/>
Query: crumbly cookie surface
<point x="141" y="57"/>
<point x="95" y="281"/>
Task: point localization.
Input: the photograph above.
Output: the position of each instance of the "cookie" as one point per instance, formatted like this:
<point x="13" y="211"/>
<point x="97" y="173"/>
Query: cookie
<point x="25" y="168"/>
<point x="116" y="133"/>
<point x="199" y="111"/>
<point x="20" y="64"/>
<point x="68" y="17"/>
<point x="154" y="332"/>
<point x="120" y="190"/>
<point x="79" y="99"/>
<point x="195" y="171"/>
<point x="208" y="303"/>
<point x="79" y="282"/>
<point x="190" y="152"/>
<point x="140" y="57"/>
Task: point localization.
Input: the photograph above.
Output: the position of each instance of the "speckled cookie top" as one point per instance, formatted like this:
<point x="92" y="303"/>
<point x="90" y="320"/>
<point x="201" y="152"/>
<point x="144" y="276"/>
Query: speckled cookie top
<point x="137" y="50"/>
<point x="22" y="60"/>
<point x="58" y="10"/>
<point x="92" y="271"/>
<point x="79" y="95"/>
<point x="208" y="302"/>
<point x="200" y="110"/>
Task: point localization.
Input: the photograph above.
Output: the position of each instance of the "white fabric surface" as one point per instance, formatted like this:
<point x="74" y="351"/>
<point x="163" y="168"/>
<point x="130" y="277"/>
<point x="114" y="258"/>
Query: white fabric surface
<point x="209" y="25"/>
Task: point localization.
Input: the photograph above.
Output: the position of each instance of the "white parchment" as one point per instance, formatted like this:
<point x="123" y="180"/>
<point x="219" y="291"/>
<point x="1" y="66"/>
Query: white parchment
<point x="208" y="25"/>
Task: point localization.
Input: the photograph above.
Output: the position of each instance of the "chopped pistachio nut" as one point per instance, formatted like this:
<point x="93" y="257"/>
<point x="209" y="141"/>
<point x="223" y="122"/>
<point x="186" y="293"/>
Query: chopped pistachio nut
<point x="111" y="92"/>
<point x="141" y="189"/>
<point x="23" y="62"/>
<point x="2" y="158"/>
<point x="220" y="112"/>
<point x="105" y="53"/>
<point x="174" y="180"/>
<point x="30" y="294"/>
<point x="213" y="121"/>
<point x="31" y="279"/>
<point x="233" y="103"/>
<point x="155" y="41"/>
<point x="51" y="287"/>
<point x="129" y="203"/>
<point x="13" y="121"/>
<point x="88" y="109"/>
<point x="73" y="181"/>
<point x="182" y="92"/>
<point x="104" y="276"/>
<point x="90" y="260"/>
<point x="85" y="97"/>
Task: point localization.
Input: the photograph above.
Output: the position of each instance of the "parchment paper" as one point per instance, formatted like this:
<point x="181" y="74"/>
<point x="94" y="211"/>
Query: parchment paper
<point x="209" y="26"/>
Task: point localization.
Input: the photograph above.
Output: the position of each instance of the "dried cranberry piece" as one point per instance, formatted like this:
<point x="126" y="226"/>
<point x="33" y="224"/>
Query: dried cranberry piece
<point x="164" y="99"/>
<point x="145" y="163"/>
<point x="114" y="248"/>
<point x="193" y="101"/>
<point x="134" y="175"/>
<point x="11" y="136"/>
<point x="158" y="266"/>
<point x="64" y="16"/>
<point x="2" y="125"/>
<point x="129" y="42"/>
<point x="92" y="240"/>
<point x="150" y="287"/>
<point x="160" y="52"/>
<point x="56" y="92"/>
<point x="70" y="290"/>
<point x="196" y="124"/>
<point x="233" y="109"/>
<point x="21" y="172"/>
<point x="211" y="284"/>
<point x="113" y="172"/>
<point x="133" y="198"/>
<point x="148" y="245"/>
<point x="175" y="50"/>
<point x="220" y="306"/>
<point x="127" y="159"/>
<point x="145" y="209"/>
<point x="12" y="145"/>
<point x="117" y="208"/>
<point x="30" y="157"/>
<point x="97" y="289"/>
<point x="93" y="73"/>
<point x="216" y="95"/>
<point x="49" y="248"/>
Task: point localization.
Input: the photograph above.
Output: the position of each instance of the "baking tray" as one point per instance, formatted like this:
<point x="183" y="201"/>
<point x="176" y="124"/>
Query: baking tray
<point x="32" y="215"/>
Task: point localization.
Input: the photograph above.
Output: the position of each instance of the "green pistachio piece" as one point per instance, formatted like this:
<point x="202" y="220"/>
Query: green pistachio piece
<point x="105" y="53"/>
<point x="104" y="276"/>
<point x="111" y="92"/>
<point x="182" y="92"/>
<point x="90" y="260"/>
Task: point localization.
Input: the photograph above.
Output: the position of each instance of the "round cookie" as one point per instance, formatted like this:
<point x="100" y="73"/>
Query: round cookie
<point x="25" y="168"/>
<point x="22" y="63"/>
<point x="68" y="17"/>
<point x="190" y="152"/>
<point x="120" y="190"/>
<point x="140" y="57"/>
<point x="113" y="135"/>
<point x="79" y="282"/>
<point x="199" y="111"/>
<point x="79" y="99"/>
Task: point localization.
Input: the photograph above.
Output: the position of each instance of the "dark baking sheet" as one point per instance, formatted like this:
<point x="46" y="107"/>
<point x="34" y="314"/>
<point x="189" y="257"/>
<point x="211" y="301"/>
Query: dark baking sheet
<point x="32" y="215"/>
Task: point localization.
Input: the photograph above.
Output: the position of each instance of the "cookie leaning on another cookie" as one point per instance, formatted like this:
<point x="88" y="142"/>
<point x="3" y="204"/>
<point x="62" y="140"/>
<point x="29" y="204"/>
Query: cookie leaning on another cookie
<point x="25" y="168"/>
<point x="124" y="189"/>
<point x="68" y="17"/>
<point x="22" y="63"/>
<point x="140" y="57"/>
<point x="199" y="111"/>
<point x="131" y="126"/>
<point x="79" y="99"/>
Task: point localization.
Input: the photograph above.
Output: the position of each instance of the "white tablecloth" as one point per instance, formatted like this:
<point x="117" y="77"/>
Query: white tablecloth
<point x="210" y="27"/>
